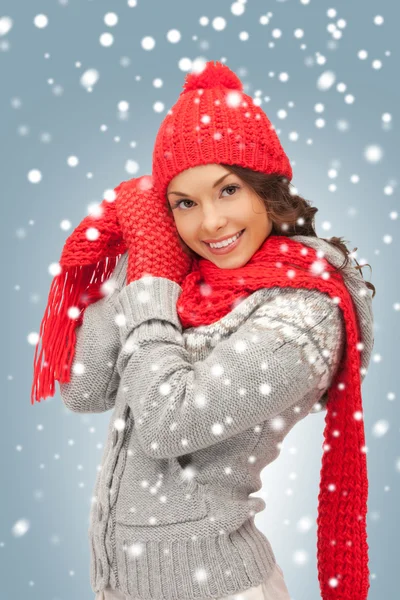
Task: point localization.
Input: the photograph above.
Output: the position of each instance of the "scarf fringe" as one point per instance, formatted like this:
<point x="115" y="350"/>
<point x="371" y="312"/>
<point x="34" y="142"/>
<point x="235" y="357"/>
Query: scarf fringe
<point x="76" y="286"/>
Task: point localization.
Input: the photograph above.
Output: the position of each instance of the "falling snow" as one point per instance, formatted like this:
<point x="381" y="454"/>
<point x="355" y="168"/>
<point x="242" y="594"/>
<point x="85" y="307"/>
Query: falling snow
<point x="81" y="117"/>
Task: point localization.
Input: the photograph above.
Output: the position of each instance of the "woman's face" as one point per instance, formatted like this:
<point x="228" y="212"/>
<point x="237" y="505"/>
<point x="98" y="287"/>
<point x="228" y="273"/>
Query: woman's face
<point x="213" y="203"/>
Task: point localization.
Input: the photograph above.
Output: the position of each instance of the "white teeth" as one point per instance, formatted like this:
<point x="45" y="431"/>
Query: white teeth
<point x="226" y="242"/>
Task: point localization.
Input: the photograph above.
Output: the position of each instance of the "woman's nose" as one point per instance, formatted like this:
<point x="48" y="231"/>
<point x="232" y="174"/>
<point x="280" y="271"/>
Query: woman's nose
<point x="212" y="220"/>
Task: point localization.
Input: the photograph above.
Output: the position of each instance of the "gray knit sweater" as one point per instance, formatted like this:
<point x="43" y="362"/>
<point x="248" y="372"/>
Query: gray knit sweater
<point x="197" y="414"/>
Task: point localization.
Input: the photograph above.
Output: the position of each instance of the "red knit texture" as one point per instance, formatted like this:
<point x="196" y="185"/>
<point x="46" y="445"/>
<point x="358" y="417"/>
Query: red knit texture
<point x="214" y="121"/>
<point x="150" y="233"/>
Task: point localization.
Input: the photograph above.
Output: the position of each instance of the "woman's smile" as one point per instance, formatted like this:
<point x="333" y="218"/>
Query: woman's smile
<point x="225" y="249"/>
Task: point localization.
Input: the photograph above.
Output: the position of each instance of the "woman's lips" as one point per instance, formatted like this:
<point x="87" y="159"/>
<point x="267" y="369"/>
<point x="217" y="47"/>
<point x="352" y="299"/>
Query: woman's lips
<point x="226" y="249"/>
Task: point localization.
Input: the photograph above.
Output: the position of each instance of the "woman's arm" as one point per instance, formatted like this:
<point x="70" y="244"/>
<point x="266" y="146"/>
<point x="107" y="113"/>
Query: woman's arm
<point x="287" y="347"/>
<point x="94" y="377"/>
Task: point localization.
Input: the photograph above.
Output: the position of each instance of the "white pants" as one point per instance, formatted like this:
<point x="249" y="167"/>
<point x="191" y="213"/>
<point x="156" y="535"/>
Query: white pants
<point x="272" y="589"/>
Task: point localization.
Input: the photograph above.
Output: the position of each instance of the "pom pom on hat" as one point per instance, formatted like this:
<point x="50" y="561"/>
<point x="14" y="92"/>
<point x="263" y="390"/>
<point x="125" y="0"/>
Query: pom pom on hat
<point x="212" y="76"/>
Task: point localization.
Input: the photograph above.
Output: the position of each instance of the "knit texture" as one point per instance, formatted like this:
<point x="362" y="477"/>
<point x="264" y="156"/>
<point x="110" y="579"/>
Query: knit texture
<point x="189" y="532"/>
<point x="215" y="121"/>
<point x="149" y="231"/>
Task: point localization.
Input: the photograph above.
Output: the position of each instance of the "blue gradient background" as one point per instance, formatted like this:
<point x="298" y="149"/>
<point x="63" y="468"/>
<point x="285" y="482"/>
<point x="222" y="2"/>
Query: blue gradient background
<point x="50" y="455"/>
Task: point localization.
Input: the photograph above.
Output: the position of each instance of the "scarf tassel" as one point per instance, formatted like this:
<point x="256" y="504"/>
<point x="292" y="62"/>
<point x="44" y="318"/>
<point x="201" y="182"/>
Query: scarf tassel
<point x="76" y="286"/>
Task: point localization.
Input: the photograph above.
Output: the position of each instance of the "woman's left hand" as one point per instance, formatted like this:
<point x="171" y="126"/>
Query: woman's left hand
<point x="150" y="233"/>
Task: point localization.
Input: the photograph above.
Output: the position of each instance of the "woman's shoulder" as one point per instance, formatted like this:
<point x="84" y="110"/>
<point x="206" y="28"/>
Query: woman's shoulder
<point x="300" y="313"/>
<point x="301" y="307"/>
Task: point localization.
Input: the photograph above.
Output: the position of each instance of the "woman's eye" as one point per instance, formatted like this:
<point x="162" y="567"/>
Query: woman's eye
<point x="178" y="204"/>
<point x="235" y="187"/>
<point x="180" y="201"/>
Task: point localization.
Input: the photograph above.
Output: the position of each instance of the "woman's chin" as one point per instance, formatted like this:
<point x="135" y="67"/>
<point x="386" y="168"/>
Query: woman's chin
<point x="228" y="262"/>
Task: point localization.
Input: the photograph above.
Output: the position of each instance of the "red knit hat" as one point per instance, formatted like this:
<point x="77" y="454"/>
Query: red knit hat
<point x="215" y="121"/>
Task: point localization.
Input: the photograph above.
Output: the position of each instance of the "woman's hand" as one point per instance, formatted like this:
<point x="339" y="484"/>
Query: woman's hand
<point x="150" y="233"/>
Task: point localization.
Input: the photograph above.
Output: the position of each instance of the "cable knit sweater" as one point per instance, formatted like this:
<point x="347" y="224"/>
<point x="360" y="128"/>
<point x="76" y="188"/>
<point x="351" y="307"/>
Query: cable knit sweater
<point x="197" y="415"/>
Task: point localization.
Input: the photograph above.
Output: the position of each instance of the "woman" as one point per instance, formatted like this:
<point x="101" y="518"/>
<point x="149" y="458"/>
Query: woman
<point x="209" y="357"/>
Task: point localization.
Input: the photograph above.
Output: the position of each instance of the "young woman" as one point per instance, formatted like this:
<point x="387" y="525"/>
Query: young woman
<point x="211" y="318"/>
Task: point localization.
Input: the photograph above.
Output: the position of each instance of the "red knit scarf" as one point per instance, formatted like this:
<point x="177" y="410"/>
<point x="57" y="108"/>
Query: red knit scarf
<point x="208" y="294"/>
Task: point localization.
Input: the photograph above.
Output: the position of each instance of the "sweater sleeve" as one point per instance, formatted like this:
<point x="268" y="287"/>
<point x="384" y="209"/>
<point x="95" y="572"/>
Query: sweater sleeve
<point x="94" y="377"/>
<point x="287" y="347"/>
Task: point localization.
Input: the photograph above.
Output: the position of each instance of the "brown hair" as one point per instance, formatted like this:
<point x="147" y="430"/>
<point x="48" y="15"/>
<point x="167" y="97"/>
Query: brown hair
<point x="290" y="214"/>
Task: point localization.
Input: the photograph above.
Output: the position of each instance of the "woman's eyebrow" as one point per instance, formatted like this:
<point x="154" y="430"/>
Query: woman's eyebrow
<point x="215" y="185"/>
